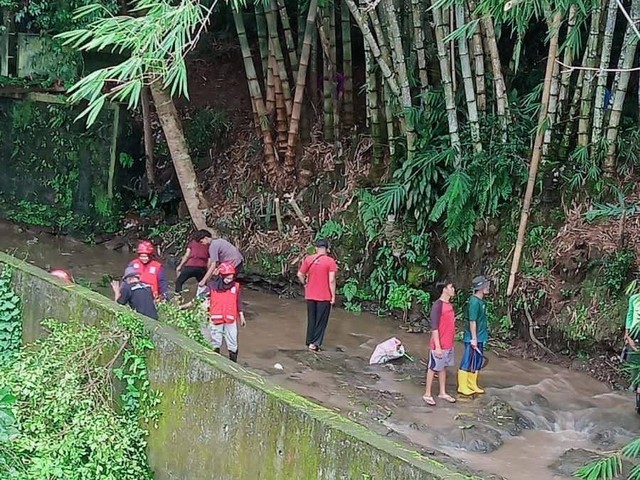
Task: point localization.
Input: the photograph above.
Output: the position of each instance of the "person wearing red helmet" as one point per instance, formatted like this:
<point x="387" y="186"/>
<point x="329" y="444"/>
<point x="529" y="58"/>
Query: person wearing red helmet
<point x="151" y="271"/>
<point x="225" y="309"/>
<point x="62" y="275"/>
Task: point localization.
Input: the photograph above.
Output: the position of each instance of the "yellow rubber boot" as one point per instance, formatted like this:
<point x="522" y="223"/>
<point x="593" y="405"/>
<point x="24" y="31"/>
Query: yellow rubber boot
<point x="473" y="383"/>
<point x="463" y="383"/>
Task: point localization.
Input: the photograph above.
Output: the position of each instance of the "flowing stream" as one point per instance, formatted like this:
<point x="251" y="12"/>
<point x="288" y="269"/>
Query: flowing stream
<point x="531" y="414"/>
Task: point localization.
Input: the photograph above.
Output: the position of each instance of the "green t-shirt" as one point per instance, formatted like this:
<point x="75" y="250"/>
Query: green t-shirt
<point x="477" y="312"/>
<point x="633" y="314"/>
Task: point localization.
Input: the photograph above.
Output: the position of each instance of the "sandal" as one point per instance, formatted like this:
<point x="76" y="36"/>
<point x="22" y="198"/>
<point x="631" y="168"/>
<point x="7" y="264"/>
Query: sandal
<point x="313" y="348"/>
<point x="429" y="400"/>
<point x="447" y="398"/>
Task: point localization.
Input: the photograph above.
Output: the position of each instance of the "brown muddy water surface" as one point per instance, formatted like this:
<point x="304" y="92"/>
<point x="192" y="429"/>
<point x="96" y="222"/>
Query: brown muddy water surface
<point x="531" y="414"/>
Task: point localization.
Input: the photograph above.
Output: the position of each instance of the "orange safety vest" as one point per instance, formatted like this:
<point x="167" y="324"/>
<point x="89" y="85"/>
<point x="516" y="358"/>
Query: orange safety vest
<point x="149" y="274"/>
<point x="223" y="305"/>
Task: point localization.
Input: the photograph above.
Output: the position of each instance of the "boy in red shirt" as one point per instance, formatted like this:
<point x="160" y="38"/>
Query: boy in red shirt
<point x="443" y="332"/>
<point x="318" y="275"/>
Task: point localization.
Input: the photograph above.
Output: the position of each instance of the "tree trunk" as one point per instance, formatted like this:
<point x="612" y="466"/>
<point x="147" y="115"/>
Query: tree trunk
<point x="446" y="74"/>
<point x="148" y="138"/>
<point x="388" y="114"/>
<point x="589" y="76"/>
<point x="537" y="150"/>
<point x="467" y="79"/>
<point x="173" y="133"/>
<point x="275" y="48"/>
<point x="347" y="67"/>
<point x="627" y="57"/>
<point x="599" y="107"/>
<point x="294" y="123"/>
<point x="281" y="109"/>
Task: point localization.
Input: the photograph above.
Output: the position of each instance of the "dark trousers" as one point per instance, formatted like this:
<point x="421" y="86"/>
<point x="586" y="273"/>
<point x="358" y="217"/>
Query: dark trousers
<point x="317" y="320"/>
<point x="189" y="272"/>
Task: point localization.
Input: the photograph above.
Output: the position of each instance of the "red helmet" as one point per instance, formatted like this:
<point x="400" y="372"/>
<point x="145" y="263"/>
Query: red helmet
<point x="145" y="246"/>
<point x="227" y="268"/>
<point x="62" y="275"/>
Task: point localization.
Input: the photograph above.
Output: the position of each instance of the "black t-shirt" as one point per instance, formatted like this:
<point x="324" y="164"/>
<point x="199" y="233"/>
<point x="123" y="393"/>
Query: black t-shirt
<point x="139" y="297"/>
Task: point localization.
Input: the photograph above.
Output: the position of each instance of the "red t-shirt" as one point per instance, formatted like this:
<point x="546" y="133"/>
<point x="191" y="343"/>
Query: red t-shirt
<point x="317" y="269"/>
<point x="443" y="319"/>
<point x="199" y="255"/>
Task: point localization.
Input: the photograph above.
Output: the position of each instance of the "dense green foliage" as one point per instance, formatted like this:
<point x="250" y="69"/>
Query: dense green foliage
<point x="10" y="318"/>
<point x="56" y="171"/>
<point x="64" y="397"/>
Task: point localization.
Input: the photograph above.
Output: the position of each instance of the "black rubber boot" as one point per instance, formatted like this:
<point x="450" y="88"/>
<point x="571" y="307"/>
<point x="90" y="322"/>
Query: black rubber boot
<point x="638" y="402"/>
<point x="217" y="350"/>
<point x="233" y="356"/>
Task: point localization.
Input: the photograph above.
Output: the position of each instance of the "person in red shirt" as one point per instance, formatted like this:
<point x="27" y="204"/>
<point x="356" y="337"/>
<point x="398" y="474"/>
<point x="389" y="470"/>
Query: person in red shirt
<point x="150" y="271"/>
<point x="443" y="332"/>
<point x="195" y="261"/>
<point x="318" y="275"/>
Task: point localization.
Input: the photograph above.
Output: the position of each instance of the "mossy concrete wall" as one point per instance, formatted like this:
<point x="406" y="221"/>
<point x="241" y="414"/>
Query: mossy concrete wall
<point x="221" y="421"/>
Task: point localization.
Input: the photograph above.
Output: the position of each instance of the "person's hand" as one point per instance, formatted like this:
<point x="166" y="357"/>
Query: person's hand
<point x="438" y="353"/>
<point x="115" y="285"/>
<point x="333" y="300"/>
<point x="243" y="322"/>
<point x="631" y="342"/>
<point x="201" y="283"/>
<point x="178" y="270"/>
<point x="474" y="343"/>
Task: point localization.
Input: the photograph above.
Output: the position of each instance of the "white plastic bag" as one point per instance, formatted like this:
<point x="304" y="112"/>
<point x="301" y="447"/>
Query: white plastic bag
<point x="386" y="351"/>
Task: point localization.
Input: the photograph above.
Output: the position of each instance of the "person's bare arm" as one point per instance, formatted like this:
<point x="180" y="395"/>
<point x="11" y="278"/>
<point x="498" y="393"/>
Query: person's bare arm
<point x="332" y="286"/>
<point x="184" y="260"/>
<point x="473" y="328"/>
<point x="435" y="335"/>
<point x="302" y="277"/>
<point x="209" y="274"/>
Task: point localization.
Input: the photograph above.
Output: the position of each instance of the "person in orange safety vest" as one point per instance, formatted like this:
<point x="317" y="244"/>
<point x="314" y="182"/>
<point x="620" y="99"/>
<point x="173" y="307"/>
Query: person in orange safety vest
<point x="151" y="271"/>
<point x="225" y="309"/>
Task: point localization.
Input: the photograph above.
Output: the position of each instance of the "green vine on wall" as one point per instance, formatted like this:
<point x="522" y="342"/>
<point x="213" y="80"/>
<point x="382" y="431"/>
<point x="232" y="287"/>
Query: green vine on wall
<point x="10" y="317"/>
<point x="70" y="421"/>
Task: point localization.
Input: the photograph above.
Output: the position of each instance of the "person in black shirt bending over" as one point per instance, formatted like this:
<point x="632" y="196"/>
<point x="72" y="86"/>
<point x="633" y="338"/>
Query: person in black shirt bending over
<point x="131" y="291"/>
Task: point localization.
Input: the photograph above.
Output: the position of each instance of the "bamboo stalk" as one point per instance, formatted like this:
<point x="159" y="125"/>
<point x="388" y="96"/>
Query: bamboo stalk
<point x="288" y="36"/>
<point x="335" y="114"/>
<point x="294" y="124"/>
<point x="478" y="56"/>
<point x="281" y="110"/>
<point x="403" y="79"/>
<point x="271" y="86"/>
<point x="275" y="48"/>
<point x="419" y="46"/>
<point x="467" y="79"/>
<point x="537" y="150"/>
<point x="276" y="203"/>
<point x="373" y="111"/>
<point x="565" y="77"/>
<point x="599" y="107"/>
<point x="263" y="39"/>
<point x="502" y="103"/>
<point x="375" y="49"/>
<point x="347" y="66"/>
<point x="328" y="76"/>
<point x="447" y="85"/>
<point x="627" y="57"/>
<point x="271" y="162"/>
<point x="314" y="75"/>
<point x="388" y="114"/>
<point x="587" y="85"/>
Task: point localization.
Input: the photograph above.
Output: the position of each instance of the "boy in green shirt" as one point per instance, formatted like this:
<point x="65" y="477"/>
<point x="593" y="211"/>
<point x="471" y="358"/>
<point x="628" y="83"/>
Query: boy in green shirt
<point x="476" y="335"/>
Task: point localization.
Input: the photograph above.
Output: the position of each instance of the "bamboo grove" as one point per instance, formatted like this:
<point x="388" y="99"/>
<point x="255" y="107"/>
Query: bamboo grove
<point x="454" y="90"/>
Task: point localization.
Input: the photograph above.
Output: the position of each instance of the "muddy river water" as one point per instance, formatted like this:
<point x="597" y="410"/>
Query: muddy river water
<point x="523" y="427"/>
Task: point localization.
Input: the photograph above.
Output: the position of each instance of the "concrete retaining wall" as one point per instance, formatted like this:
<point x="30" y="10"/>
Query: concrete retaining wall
<point x="221" y="421"/>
